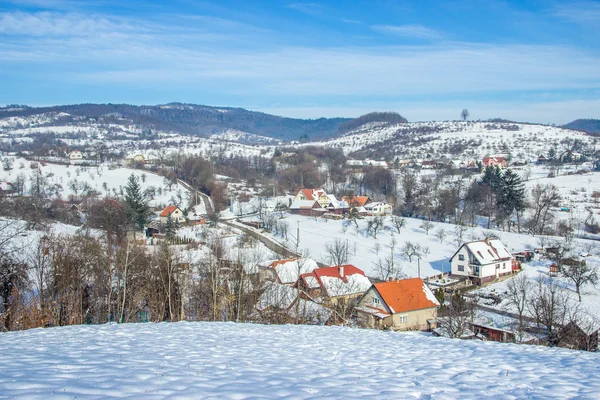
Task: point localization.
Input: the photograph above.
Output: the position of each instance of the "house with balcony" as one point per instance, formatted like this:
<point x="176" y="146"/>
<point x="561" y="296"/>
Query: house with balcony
<point x="481" y="261"/>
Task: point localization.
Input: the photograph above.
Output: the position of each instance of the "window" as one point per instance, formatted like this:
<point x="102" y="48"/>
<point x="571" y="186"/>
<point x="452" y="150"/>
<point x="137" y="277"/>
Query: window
<point x="404" y="319"/>
<point x="497" y="266"/>
<point x="503" y="265"/>
<point x="476" y="270"/>
<point x="461" y="268"/>
<point x="461" y="257"/>
<point x="375" y="301"/>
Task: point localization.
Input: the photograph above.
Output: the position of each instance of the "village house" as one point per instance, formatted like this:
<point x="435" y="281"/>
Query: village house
<point x="336" y="206"/>
<point x="378" y="208"/>
<point x="542" y="159"/>
<point x="318" y="195"/>
<point x="6" y="188"/>
<point x="286" y="271"/>
<point x="133" y="160"/>
<point x="306" y="207"/>
<point x="405" y="304"/>
<point x="499" y="161"/>
<point x="75" y="157"/>
<point x="175" y="213"/>
<point x="357" y="204"/>
<point x="335" y="284"/>
<point x="482" y="261"/>
<point x="569" y="156"/>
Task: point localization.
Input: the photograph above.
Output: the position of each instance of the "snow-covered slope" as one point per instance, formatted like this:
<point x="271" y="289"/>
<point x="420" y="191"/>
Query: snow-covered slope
<point x="235" y="361"/>
<point x="233" y="135"/>
<point x="461" y="140"/>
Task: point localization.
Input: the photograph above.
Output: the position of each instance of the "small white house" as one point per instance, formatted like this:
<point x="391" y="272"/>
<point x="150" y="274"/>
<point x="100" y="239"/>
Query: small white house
<point x="482" y="261"/>
<point x="75" y="156"/>
<point x="378" y="208"/>
<point x="175" y="213"/>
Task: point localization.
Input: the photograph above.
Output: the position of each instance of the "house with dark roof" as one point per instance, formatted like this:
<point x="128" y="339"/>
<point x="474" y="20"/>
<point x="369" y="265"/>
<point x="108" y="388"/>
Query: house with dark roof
<point x="482" y="261"/>
<point x="405" y="304"/>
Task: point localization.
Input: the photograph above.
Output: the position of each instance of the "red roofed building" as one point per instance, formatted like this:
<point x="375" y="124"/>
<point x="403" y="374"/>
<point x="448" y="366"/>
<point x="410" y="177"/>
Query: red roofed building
<point x="491" y="161"/>
<point x="175" y="213"/>
<point x="335" y="284"/>
<point x="317" y="194"/>
<point x="405" y="304"/>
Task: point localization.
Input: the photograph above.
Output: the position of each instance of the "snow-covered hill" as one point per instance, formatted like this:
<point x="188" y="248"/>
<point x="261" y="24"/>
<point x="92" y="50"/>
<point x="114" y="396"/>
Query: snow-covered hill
<point x="458" y="140"/>
<point x="235" y="361"/>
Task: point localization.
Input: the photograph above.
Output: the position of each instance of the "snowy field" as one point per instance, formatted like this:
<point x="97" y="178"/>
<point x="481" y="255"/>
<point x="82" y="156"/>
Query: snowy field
<point x="244" y="361"/>
<point x="366" y="251"/>
<point x="73" y="180"/>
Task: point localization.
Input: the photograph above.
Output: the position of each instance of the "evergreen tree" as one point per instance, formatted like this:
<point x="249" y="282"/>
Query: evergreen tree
<point x="135" y="201"/>
<point x="512" y="198"/>
<point x="169" y="228"/>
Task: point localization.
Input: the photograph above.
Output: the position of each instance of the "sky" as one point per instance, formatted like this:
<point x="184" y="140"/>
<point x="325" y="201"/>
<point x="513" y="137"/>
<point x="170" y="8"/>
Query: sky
<point x="535" y="61"/>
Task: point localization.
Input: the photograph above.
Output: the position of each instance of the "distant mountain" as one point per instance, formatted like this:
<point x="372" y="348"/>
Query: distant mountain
<point x="585" y="125"/>
<point x="190" y="119"/>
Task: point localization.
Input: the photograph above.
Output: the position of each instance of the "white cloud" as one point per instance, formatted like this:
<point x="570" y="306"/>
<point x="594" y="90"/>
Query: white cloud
<point x="581" y="12"/>
<point x="412" y="31"/>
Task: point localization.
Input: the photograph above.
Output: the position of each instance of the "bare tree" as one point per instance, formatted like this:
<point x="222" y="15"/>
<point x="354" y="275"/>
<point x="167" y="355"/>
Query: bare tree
<point x="459" y="232"/>
<point x="580" y="274"/>
<point x="543" y="198"/>
<point x="441" y="234"/>
<point x="552" y="309"/>
<point x="338" y="252"/>
<point x="411" y="250"/>
<point x="456" y="316"/>
<point x="399" y="223"/>
<point x="374" y="225"/>
<point x="518" y="292"/>
<point x="426" y="226"/>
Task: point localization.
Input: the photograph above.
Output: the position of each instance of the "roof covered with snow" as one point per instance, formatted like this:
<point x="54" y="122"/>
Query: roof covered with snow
<point x="488" y="251"/>
<point x="288" y="271"/>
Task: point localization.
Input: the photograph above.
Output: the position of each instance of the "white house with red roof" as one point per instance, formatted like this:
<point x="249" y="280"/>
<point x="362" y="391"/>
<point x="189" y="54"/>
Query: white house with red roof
<point x="175" y="213"/>
<point x="335" y="283"/>
<point x="317" y="194"/>
<point x="481" y="261"/>
<point x="405" y="304"/>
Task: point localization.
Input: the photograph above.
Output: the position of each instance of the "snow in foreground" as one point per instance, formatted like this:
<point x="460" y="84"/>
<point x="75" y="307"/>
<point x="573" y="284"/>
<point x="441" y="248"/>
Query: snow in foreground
<point x="227" y="360"/>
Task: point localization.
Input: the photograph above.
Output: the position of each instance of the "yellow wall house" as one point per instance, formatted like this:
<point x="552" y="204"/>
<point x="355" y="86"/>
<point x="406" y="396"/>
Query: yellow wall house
<point x="405" y="304"/>
<point x="318" y="195"/>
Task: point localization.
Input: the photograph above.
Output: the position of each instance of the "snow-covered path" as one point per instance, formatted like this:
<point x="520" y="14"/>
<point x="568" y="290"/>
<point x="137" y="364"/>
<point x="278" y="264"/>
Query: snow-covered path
<point x="239" y="361"/>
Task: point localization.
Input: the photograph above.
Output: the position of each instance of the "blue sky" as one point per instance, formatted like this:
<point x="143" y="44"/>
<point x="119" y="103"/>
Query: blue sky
<point x="535" y="61"/>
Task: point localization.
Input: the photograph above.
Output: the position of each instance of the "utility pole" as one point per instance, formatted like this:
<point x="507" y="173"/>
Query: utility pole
<point x="419" y="265"/>
<point x="298" y="236"/>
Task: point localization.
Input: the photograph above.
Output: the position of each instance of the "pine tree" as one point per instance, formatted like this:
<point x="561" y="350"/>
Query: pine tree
<point x="513" y="195"/>
<point x="169" y="228"/>
<point x="135" y="201"/>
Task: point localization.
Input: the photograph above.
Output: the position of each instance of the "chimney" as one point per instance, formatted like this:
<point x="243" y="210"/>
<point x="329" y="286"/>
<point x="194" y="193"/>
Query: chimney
<point x="342" y="271"/>
<point x="390" y="279"/>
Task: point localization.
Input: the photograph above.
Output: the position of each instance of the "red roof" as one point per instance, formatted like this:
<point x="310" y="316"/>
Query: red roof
<point x="405" y="295"/>
<point x="312" y="194"/>
<point x="168" y="211"/>
<point x="357" y="201"/>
